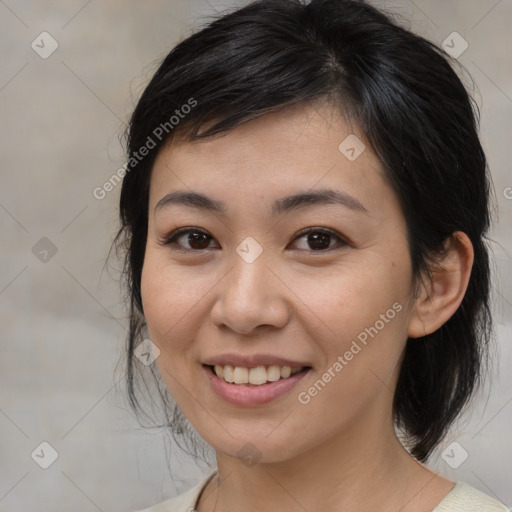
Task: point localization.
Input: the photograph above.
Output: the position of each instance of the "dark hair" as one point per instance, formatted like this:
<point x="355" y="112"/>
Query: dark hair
<point x="414" y="111"/>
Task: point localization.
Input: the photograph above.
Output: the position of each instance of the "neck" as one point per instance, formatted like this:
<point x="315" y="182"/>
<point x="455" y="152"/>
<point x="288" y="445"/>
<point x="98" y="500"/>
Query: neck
<point x="365" y="469"/>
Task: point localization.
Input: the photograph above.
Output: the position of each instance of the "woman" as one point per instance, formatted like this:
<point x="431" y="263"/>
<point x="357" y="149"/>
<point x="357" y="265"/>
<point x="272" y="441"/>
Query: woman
<point x="304" y="213"/>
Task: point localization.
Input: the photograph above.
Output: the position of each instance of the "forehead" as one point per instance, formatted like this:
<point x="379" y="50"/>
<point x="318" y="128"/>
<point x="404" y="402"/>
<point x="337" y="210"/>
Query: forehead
<point x="299" y="147"/>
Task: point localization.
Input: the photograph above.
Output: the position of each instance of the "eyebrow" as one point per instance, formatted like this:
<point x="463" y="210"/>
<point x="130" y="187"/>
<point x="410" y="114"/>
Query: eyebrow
<point x="285" y="204"/>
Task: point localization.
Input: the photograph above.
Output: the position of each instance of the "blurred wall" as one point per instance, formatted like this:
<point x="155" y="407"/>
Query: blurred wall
<point x="70" y="74"/>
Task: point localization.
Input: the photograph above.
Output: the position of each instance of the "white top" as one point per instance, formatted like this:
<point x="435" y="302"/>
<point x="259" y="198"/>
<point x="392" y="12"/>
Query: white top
<point x="462" y="498"/>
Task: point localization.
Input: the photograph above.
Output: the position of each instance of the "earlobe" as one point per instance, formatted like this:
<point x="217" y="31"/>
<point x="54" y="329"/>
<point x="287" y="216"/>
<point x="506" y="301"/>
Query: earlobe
<point x="442" y="293"/>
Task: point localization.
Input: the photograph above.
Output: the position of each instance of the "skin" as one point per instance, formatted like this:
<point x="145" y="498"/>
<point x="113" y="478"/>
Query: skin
<point x="294" y="302"/>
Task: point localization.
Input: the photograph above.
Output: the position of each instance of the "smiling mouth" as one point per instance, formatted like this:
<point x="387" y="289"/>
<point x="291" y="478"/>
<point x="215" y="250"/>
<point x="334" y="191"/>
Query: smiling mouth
<point x="256" y="376"/>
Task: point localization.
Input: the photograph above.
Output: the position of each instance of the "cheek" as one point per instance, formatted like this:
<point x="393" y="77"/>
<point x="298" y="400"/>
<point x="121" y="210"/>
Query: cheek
<point x="360" y="368"/>
<point x="353" y="296"/>
<point x="175" y="302"/>
<point x="167" y="303"/>
<point x="360" y="317"/>
<point x="168" y="295"/>
<point x="156" y="296"/>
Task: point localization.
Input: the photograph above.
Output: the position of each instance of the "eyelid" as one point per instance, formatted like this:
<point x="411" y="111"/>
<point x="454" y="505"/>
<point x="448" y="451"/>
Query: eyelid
<point x="342" y="241"/>
<point x="168" y="239"/>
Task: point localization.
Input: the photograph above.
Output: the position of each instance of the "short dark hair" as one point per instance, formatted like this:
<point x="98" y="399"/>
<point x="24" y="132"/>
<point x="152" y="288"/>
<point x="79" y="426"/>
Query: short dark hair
<point x="413" y="109"/>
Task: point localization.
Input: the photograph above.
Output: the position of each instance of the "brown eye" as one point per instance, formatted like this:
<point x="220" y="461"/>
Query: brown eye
<point x="198" y="240"/>
<point x="193" y="238"/>
<point x="317" y="239"/>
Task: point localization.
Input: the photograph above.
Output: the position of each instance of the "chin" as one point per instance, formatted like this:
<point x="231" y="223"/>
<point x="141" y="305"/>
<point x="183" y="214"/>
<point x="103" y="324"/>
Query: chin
<point x="256" y="448"/>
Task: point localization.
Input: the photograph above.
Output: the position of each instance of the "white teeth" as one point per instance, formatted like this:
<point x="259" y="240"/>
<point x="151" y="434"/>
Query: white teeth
<point x="286" y="371"/>
<point x="228" y="373"/>
<point x="256" y="376"/>
<point x="273" y="373"/>
<point x="240" y="375"/>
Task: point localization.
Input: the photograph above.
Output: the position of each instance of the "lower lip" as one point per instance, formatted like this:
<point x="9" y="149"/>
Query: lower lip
<point x="249" y="395"/>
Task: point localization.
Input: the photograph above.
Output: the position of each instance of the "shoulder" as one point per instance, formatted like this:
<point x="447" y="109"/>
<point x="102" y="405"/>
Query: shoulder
<point x="464" y="498"/>
<point x="185" y="502"/>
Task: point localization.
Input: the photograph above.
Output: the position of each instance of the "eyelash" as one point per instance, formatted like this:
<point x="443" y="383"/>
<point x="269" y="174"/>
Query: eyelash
<point x="171" y="240"/>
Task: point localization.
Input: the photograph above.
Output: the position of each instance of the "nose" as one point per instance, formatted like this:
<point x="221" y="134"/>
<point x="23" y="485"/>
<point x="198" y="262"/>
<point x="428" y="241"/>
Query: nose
<point x="249" y="297"/>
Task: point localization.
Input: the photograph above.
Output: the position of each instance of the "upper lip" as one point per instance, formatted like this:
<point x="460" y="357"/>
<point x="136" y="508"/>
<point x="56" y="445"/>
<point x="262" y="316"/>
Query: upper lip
<point x="251" y="361"/>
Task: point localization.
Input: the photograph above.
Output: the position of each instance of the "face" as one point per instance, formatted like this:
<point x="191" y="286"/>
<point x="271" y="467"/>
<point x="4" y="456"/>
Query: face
<point x="290" y="254"/>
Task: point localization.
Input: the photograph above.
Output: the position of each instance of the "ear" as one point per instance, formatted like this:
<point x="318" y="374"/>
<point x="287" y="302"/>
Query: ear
<point x="441" y="295"/>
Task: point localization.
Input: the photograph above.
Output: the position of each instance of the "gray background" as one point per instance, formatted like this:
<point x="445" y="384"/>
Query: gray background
<point x="63" y="321"/>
